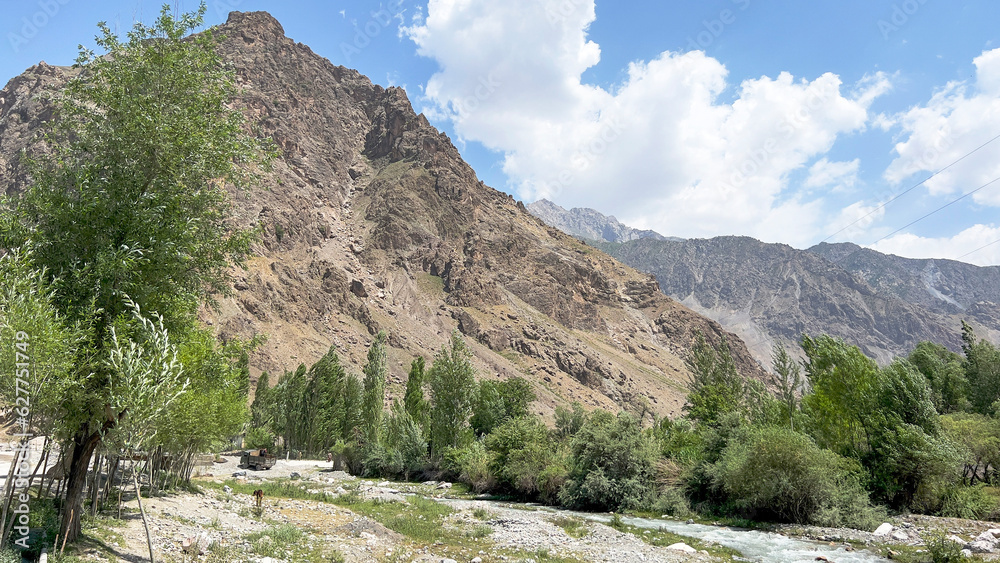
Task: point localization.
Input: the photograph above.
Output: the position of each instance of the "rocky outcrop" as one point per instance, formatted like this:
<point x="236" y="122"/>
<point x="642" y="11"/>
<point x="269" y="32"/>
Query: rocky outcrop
<point x="372" y="221"/>
<point x="589" y="224"/>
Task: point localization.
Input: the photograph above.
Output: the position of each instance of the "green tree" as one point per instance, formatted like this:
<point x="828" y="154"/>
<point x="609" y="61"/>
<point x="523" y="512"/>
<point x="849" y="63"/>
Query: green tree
<point x="131" y="200"/>
<point x="413" y="400"/>
<point x="714" y="385"/>
<point x="262" y="409"/>
<point x="978" y="439"/>
<point x="945" y="376"/>
<point x="982" y="371"/>
<point x="326" y="383"/>
<point x="787" y="379"/>
<point x="453" y="384"/>
<point x="612" y="464"/>
<point x="496" y="402"/>
<point x="374" y="399"/>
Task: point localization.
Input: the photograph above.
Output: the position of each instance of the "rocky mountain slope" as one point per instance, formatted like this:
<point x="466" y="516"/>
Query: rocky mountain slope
<point x="772" y="293"/>
<point x="589" y="224"/>
<point x="373" y="221"/>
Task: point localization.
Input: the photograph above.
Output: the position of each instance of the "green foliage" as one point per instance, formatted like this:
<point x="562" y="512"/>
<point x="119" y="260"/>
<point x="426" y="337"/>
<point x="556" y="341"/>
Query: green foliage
<point x="413" y="400"/>
<point x="473" y="464"/>
<point x="261" y="410"/>
<point x="452" y="383"/>
<point x="374" y="396"/>
<point x="259" y="438"/>
<point x="977" y="438"/>
<point x="971" y="503"/>
<point x="788" y="380"/>
<point x="496" y="402"/>
<point x="404" y="449"/>
<point x="526" y="460"/>
<point x="942" y="549"/>
<point x="569" y="421"/>
<point x="778" y="474"/>
<point x="611" y="465"/>
<point x="945" y="376"/>
<point x="982" y="370"/>
<point x="714" y="385"/>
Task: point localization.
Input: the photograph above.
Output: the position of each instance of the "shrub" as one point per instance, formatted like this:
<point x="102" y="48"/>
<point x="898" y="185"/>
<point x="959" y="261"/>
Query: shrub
<point x="776" y="473"/>
<point x="526" y="461"/>
<point x="472" y="464"/>
<point x="971" y="503"/>
<point x="611" y="464"/>
<point x="942" y="549"/>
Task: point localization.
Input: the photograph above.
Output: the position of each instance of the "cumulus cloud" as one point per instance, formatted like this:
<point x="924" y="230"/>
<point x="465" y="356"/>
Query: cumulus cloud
<point x="958" y="118"/>
<point x="824" y="174"/>
<point x="674" y="147"/>
<point x="978" y="244"/>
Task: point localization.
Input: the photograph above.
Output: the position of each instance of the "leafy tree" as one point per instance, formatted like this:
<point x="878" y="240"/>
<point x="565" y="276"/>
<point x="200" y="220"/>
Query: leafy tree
<point x="262" y="409"/>
<point x="982" y="370"/>
<point x="612" y="464"/>
<point x="499" y="401"/>
<point x="787" y="379"/>
<point x="326" y="382"/>
<point x="978" y="439"/>
<point x="778" y="474"/>
<point x="131" y="200"/>
<point x="842" y="381"/>
<point x="714" y="385"/>
<point x="569" y="421"/>
<point x="453" y="385"/>
<point x="413" y="400"/>
<point x="525" y="459"/>
<point x="945" y="376"/>
<point x="374" y="399"/>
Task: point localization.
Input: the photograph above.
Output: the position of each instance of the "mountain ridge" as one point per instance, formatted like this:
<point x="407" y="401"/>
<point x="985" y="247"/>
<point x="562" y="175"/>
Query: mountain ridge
<point x="372" y="221"/>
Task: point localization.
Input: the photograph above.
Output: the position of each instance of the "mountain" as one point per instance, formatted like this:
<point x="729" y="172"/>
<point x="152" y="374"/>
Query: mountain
<point x="372" y="221"/>
<point x="588" y="224"/>
<point x="773" y="293"/>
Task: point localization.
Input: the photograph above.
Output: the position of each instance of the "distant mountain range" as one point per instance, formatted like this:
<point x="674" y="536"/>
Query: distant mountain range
<point x="770" y="293"/>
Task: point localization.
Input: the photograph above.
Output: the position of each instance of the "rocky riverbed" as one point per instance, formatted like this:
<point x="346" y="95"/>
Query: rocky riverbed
<point x="343" y="518"/>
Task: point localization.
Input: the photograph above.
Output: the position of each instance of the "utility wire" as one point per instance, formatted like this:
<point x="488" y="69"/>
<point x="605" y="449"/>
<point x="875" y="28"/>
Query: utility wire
<point x="952" y="202"/>
<point x="910" y="189"/>
<point x="978" y="249"/>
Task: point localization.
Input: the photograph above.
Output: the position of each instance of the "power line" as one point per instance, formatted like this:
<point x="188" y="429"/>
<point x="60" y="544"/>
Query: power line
<point x="978" y="249"/>
<point x="952" y="202"/>
<point x="910" y="189"/>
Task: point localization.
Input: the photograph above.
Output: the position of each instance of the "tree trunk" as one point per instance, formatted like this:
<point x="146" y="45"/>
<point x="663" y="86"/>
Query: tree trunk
<point x="84" y="444"/>
<point x="142" y="512"/>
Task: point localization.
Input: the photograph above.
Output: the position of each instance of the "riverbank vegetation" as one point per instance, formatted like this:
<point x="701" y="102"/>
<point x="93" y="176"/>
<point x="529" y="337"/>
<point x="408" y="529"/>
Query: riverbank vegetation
<point x="833" y="440"/>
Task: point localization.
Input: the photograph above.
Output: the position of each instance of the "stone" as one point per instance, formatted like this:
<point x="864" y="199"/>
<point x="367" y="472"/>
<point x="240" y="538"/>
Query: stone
<point x="882" y="530"/>
<point x="294" y="475"/>
<point x="239" y="474"/>
<point x="980" y="546"/>
<point x="899" y="535"/>
<point x="227" y="489"/>
<point x="956" y="539"/>
<point x="443" y="486"/>
<point x="681" y="546"/>
<point x="477" y="560"/>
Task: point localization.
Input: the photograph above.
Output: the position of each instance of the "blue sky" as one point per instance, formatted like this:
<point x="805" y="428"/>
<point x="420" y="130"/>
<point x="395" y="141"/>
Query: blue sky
<point x="782" y="120"/>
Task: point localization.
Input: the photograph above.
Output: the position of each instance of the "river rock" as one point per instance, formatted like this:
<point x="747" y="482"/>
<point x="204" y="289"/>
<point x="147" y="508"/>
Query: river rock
<point x="899" y="535"/>
<point x="681" y="546"/>
<point x="882" y="530"/>
<point x="956" y="539"/>
<point x="980" y="546"/>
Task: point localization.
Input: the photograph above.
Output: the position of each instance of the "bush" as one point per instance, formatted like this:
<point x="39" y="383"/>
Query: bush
<point x="259" y="438"/>
<point x="779" y="474"/>
<point x="971" y="503"/>
<point x="612" y="464"/>
<point x="472" y="464"/>
<point x="526" y="461"/>
<point x="942" y="549"/>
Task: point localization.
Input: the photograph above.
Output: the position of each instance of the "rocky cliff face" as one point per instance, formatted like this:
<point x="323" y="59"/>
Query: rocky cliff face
<point x="589" y="224"/>
<point x="373" y="221"/>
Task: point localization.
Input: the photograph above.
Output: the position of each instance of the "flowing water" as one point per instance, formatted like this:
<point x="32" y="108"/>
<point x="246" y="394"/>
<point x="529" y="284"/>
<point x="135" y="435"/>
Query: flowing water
<point x="763" y="547"/>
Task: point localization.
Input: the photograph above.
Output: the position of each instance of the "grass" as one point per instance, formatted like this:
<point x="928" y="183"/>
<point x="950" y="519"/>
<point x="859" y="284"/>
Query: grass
<point x="574" y="527"/>
<point x="663" y="538"/>
<point x="274" y="541"/>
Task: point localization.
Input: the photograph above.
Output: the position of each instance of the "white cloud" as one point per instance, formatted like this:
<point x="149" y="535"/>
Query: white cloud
<point x="836" y="174"/>
<point x="956" y="120"/>
<point x="663" y="149"/>
<point x="955" y="247"/>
